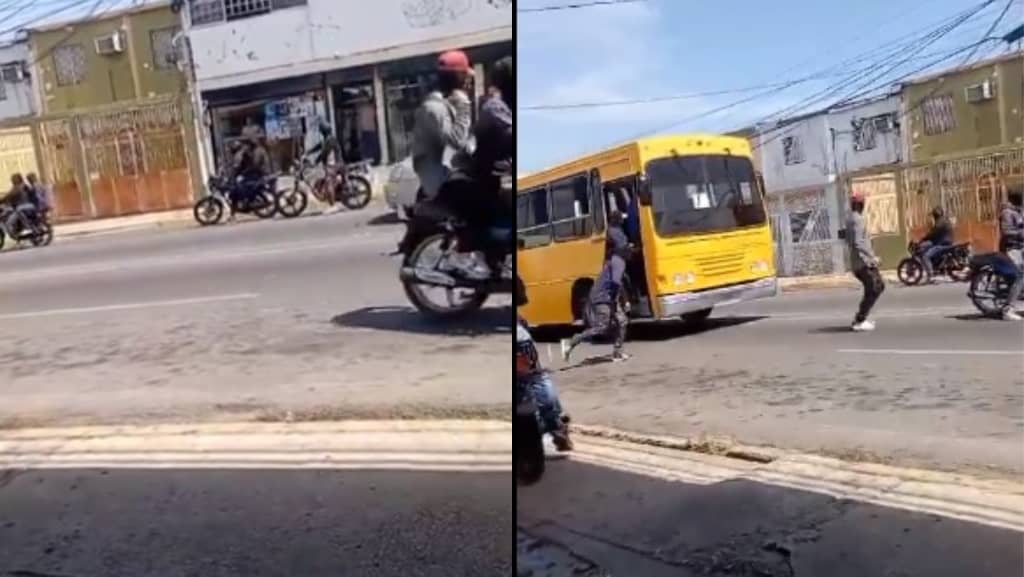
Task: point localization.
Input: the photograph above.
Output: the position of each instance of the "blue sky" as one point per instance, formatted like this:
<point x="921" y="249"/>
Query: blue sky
<point x="668" y="47"/>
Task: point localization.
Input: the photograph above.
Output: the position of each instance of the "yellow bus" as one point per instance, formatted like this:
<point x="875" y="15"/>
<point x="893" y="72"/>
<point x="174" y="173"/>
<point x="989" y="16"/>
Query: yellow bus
<point x="694" y="208"/>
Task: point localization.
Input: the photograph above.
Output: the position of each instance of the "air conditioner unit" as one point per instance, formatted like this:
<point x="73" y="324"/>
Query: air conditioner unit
<point x="979" y="92"/>
<point x="112" y="44"/>
<point x="12" y="73"/>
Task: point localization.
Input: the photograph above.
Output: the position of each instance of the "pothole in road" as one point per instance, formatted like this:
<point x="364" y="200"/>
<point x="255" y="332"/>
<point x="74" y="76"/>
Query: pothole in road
<point x="537" y="557"/>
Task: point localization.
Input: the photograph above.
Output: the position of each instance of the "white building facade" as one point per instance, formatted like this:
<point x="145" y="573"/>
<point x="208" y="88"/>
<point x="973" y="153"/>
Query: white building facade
<point x="281" y="65"/>
<point x="17" y="99"/>
<point x="803" y="162"/>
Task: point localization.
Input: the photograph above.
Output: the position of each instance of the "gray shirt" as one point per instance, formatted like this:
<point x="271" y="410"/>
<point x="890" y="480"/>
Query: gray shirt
<point x="861" y="253"/>
<point x="1011" y="228"/>
<point x="606" y="288"/>
<point x="441" y="130"/>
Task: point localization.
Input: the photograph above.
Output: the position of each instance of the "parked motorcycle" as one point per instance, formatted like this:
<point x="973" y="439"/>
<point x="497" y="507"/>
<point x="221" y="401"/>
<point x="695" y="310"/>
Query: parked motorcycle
<point x="352" y="189"/>
<point x="429" y="252"/>
<point x="210" y="209"/>
<point x="33" y="227"/>
<point x="954" y="263"/>
<point x="991" y="276"/>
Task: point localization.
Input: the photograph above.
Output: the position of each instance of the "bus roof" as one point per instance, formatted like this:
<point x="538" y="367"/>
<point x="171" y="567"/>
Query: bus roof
<point x="639" y="151"/>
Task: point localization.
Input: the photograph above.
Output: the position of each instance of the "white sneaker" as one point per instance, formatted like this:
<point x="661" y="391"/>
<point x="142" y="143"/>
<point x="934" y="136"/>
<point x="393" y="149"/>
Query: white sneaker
<point x="862" y="327"/>
<point x="566" y="345"/>
<point x="1011" y="315"/>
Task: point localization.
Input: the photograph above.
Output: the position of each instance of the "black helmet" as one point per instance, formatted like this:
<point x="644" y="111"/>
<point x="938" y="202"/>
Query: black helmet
<point x="938" y="212"/>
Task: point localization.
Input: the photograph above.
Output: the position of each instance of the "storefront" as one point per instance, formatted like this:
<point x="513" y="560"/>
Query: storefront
<point x="357" y="101"/>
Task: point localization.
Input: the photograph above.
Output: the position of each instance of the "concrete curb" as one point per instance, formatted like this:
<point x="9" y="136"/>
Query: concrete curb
<point x="992" y="502"/>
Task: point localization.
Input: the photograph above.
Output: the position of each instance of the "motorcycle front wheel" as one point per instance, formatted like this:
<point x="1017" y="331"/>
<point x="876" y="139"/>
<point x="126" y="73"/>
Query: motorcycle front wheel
<point x="356" y="193"/>
<point x="910" y="271"/>
<point x="457" y="301"/>
<point x="292" y="203"/>
<point x="958" y="270"/>
<point x="208" y="211"/>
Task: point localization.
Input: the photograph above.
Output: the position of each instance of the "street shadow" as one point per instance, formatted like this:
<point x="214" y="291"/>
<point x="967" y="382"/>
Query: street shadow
<point x="272" y="521"/>
<point x="634" y="524"/>
<point x="491" y="320"/>
<point x="971" y="317"/>
<point x="647" y="331"/>
<point x="833" y="330"/>
<point x="386" y="219"/>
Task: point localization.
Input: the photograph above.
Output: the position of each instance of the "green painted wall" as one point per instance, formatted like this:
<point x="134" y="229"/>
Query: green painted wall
<point x="978" y="125"/>
<point x="110" y="79"/>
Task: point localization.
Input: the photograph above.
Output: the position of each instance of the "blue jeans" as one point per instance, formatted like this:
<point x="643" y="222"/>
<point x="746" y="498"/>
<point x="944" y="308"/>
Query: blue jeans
<point x="544" y="393"/>
<point x="930" y="254"/>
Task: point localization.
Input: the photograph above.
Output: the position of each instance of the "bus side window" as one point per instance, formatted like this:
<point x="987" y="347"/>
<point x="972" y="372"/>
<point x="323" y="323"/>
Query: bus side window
<point x="533" y="219"/>
<point x="570" y="208"/>
<point x="597" y="201"/>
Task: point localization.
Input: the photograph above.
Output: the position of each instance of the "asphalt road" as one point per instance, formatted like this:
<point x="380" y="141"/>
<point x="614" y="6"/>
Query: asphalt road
<point x="934" y="386"/>
<point x="251" y="320"/>
<point x="259" y="523"/>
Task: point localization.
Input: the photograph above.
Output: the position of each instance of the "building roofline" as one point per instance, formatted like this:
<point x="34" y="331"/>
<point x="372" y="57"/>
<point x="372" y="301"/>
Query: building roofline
<point x="979" y="64"/>
<point x="103" y="16"/>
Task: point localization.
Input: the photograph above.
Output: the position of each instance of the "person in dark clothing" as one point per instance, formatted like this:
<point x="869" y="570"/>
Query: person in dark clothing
<point x="1011" y="243"/>
<point x="21" y="200"/>
<point x="327" y="154"/>
<point x="40" y="193"/>
<point x="250" y="165"/>
<point x="863" y="262"/>
<point x="528" y="368"/>
<point x="607" y="303"/>
<point x="938" y="240"/>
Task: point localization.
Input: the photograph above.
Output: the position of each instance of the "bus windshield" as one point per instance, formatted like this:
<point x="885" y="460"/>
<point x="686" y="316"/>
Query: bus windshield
<point x="704" y="194"/>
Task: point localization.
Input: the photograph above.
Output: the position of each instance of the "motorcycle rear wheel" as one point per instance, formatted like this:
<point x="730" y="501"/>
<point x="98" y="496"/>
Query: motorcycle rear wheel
<point x="292" y="203"/>
<point x="356" y="194"/>
<point x="266" y="205"/>
<point x="43" y="234"/>
<point x="985" y="293"/>
<point x="414" y="291"/>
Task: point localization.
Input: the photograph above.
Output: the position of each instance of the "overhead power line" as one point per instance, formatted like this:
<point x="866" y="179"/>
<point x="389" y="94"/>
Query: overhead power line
<point x="577" y="5"/>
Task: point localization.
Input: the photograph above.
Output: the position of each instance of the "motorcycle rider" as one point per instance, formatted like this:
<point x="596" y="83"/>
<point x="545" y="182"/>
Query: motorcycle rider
<point x="1011" y="243"/>
<point x="938" y="240"/>
<point x="250" y="166"/>
<point x="327" y="149"/>
<point x="40" y="194"/>
<point x="441" y="131"/>
<point x="528" y="367"/>
<point x="20" y="199"/>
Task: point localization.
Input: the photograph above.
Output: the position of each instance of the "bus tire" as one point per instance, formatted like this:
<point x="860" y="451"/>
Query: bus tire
<point x="696" y="319"/>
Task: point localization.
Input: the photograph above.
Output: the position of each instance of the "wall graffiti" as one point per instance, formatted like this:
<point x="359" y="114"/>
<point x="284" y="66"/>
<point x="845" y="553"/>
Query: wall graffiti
<point x="430" y="13"/>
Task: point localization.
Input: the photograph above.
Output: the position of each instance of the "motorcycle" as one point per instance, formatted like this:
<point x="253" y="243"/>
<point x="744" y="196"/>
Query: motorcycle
<point x="33" y="227"/>
<point x="954" y="262"/>
<point x="352" y="189"/>
<point x="429" y="251"/>
<point x="210" y="209"/>
<point x="991" y="276"/>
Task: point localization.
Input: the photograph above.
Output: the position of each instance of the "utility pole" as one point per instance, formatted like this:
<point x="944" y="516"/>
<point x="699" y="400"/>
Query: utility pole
<point x="186" y="64"/>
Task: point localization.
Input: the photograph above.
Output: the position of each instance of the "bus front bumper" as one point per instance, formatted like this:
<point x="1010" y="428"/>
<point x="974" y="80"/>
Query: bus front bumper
<point x="678" y="304"/>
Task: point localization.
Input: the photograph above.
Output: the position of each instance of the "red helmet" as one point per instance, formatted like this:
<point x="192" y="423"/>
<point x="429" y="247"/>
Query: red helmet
<point x="454" y="61"/>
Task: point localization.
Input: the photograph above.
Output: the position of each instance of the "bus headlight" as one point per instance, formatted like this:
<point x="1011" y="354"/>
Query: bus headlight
<point x="759" y="266"/>
<point x="681" y="279"/>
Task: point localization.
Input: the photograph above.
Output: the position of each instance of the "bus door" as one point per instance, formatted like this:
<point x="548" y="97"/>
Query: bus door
<point x="621" y="195"/>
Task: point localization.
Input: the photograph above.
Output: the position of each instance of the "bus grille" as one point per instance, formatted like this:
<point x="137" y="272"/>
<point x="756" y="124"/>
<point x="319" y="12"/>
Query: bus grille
<point x="720" y="264"/>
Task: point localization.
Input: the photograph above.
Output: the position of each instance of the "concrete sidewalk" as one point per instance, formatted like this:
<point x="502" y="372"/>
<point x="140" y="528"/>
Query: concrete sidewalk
<point x="171" y="219"/>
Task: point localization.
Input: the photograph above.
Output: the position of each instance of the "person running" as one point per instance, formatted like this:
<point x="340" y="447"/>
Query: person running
<point x="1011" y="243"/>
<point x="606" y="307"/>
<point x="863" y="262"/>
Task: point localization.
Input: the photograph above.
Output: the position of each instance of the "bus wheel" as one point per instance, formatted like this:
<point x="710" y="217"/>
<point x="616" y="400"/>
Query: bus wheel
<point x="696" y="318"/>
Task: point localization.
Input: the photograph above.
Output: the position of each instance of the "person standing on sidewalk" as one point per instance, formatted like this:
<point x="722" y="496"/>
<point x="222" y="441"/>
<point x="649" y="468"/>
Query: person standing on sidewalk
<point x="863" y="262"/>
<point x="606" y="310"/>
<point x="1011" y="243"/>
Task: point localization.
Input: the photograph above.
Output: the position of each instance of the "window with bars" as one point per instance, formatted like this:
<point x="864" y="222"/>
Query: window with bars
<point x="938" y="114"/>
<point x="792" y="150"/>
<point x="162" y="42"/>
<point x="69" y="64"/>
<point x="212" y="11"/>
